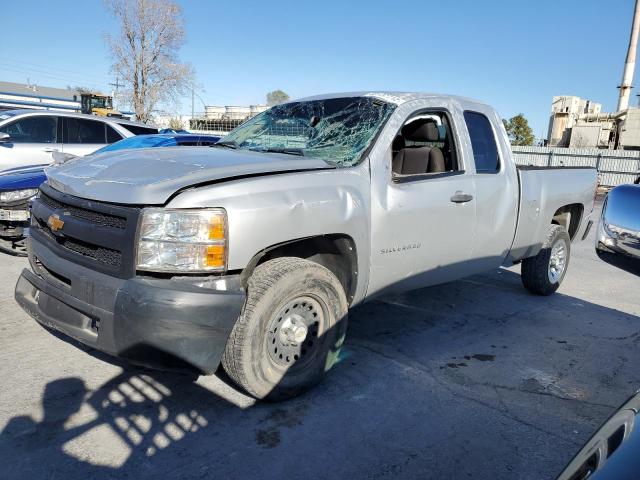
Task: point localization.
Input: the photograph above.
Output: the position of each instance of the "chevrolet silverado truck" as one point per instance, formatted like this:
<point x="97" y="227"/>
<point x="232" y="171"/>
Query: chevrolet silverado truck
<point x="249" y="254"/>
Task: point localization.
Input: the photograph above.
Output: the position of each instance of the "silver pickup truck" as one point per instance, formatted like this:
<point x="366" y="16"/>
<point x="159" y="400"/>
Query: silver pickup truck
<point x="251" y="253"/>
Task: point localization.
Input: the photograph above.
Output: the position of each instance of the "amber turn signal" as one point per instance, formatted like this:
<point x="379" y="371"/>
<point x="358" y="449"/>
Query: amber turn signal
<point x="215" y="256"/>
<point x="217" y="227"/>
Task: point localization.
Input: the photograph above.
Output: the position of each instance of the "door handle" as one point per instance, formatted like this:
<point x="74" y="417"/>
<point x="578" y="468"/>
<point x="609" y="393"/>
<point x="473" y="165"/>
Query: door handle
<point x="50" y="150"/>
<point x="460" y="197"/>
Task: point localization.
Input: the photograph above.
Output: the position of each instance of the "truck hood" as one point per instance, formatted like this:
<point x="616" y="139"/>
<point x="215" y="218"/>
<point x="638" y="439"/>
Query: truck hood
<point x="150" y="176"/>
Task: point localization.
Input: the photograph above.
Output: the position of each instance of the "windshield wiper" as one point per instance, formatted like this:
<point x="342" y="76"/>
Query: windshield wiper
<point x="287" y="151"/>
<point x="231" y="145"/>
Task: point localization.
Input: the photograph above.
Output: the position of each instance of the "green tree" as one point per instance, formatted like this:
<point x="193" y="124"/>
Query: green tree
<point x="519" y="131"/>
<point x="277" y="97"/>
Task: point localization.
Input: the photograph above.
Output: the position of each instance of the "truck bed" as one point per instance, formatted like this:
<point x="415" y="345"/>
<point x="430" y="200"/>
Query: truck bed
<point x="542" y="191"/>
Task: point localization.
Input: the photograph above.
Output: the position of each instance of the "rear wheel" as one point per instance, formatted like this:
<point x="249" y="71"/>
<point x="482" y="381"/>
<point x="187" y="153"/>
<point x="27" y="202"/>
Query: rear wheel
<point x="290" y="330"/>
<point x="544" y="273"/>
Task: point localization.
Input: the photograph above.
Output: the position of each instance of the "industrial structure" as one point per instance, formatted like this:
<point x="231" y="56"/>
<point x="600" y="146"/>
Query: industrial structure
<point x="215" y="119"/>
<point x="221" y="120"/>
<point x="27" y="95"/>
<point x="37" y="97"/>
<point x="579" y="123"/>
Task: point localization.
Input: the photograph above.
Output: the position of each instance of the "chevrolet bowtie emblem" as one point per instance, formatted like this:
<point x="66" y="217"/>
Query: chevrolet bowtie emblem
<point x="55" y="222"/>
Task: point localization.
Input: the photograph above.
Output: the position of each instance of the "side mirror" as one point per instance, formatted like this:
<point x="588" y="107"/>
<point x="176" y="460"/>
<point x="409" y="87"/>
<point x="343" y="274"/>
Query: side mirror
<point x="59" y="158"/>
<point x="5" y="137"/>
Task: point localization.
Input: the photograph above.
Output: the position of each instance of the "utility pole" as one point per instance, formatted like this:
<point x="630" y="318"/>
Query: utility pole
<point x="117" y="85"/>
<point x="630" y="63"/>
<point x="193" y="93"/>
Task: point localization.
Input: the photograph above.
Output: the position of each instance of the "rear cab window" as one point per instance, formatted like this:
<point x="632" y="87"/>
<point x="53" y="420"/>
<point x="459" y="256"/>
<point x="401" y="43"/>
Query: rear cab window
<point x="483" y="142"/>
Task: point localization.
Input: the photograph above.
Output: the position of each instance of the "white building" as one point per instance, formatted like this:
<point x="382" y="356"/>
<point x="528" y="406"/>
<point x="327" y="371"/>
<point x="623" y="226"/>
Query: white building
<point x="565" y="111"/>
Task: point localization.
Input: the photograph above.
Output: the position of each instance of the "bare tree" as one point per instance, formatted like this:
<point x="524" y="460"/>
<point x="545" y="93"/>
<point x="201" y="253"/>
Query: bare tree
<point x="80" y="89"/>
<point x="145" y="53"/>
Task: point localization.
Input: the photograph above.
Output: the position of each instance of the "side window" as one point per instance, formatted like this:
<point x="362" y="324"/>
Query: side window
<point x="483" y="143"/>
<point x="112" y="135"/>
<point x="424" y="145"/>
<point x="33" y="130"/>
<point x="80" y="130"/>
<point x="138" y="130"/>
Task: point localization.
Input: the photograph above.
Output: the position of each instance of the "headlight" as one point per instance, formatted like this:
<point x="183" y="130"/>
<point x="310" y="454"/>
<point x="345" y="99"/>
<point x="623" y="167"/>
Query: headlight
<point x="16" y="195"/>
<point x="181" y="240"/>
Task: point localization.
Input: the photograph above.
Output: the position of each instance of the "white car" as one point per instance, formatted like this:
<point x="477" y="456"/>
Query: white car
<point x="30" y="137"/>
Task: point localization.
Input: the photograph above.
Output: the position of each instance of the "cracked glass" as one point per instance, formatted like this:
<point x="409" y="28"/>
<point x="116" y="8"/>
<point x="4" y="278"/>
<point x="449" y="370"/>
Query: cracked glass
<point x="337" y="130"/>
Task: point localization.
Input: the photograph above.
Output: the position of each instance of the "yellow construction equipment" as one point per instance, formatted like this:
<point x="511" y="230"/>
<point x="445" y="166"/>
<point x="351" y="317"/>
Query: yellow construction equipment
<point x="98" y="104"/>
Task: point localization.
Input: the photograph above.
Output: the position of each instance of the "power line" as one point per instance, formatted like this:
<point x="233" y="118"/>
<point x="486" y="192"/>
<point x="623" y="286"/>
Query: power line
<point x="52" y="74"/>
<point x="66" y="79"/>
<point x="30" y="65"/>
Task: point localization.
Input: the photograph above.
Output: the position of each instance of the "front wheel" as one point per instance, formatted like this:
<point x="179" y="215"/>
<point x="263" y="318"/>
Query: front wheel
<point x="544" y="273"/>
<point x="290" y="330"/>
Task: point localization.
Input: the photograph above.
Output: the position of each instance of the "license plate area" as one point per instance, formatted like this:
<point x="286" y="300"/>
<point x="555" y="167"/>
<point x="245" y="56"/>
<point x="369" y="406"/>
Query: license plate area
<point x="14" y="215"/>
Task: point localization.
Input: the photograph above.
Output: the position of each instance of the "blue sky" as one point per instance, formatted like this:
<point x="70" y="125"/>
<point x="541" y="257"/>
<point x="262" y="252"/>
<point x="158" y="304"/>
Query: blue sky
<point x="513" y="54"/>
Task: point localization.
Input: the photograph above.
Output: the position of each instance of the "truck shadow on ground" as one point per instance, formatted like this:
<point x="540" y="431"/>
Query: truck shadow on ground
<point x="463" y="369"/>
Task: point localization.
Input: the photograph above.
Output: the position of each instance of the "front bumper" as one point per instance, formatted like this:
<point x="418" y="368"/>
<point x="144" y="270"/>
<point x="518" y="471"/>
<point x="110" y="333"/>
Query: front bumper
<point x="14" y="220"/>
<point x="180" y="323"/>
<point x="13" y="232"/>
<point x="627" y="244"/>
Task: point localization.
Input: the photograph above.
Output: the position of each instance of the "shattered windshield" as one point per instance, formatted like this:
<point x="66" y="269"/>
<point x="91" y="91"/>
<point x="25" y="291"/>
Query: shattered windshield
<point x="337" y="130"/>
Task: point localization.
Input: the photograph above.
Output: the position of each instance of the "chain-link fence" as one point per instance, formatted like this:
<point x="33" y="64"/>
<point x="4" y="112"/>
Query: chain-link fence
<point x="215" y="126"/>
<point x="615" y="167"/>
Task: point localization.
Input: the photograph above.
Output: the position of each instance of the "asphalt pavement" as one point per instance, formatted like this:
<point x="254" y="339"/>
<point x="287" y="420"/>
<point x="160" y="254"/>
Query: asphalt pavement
<point x="472" y="379"/>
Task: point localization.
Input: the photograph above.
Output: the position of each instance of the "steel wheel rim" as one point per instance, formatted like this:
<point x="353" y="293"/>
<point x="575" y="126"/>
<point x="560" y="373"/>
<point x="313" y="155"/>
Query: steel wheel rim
<point x="293" y="335"/>
<point x="557" y="261"/>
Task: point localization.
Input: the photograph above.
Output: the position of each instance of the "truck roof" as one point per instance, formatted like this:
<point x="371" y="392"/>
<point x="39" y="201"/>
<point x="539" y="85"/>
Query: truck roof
<point x="395" y="97"/>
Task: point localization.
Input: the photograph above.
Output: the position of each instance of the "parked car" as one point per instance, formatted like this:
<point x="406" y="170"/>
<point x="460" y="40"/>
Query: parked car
<point x="17" y="188"/>
<point x="19" y="185"/>
<point x="30" y="137"/>
<point x="251" y="253"/>
<point x="618" y="234"/>
<point x="612" y="452"/>
<point x="173" y="130"/>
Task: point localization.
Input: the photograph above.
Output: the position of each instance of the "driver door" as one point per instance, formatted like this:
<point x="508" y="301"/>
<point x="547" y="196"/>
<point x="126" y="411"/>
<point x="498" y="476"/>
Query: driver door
<point x="423" y="226"/>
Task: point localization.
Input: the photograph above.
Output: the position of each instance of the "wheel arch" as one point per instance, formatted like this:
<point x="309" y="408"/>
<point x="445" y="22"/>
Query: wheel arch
<point x="336" y="252"/>
<point x="569" y="216"/>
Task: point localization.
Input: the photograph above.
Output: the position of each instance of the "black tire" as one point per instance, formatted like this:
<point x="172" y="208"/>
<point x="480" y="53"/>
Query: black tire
<point x="535" y="271"/>
<point x="250" y="357"/>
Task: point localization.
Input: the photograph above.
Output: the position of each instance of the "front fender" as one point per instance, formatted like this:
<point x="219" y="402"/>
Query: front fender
<point x="274" y="209"/>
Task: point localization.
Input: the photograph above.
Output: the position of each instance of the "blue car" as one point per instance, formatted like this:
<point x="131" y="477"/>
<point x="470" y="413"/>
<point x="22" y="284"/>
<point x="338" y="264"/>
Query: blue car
<point x="19" y="185"/>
